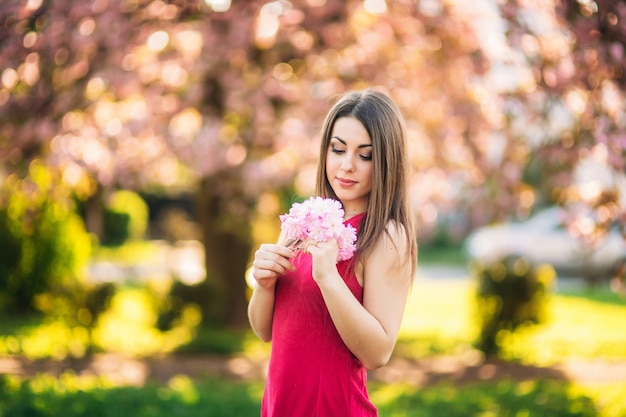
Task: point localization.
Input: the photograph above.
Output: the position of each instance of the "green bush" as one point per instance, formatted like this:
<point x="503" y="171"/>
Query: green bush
<point x="511" y="293"/>
<point x="501" y="398"/>
<point x="74" y="396"/>
<point x="78" y="307"/>
<point x="125" y="217"/>
<point x="44" y="242"/>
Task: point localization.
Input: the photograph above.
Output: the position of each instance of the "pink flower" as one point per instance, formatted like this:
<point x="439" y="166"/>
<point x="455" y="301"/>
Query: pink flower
<point x="320" y="220"/>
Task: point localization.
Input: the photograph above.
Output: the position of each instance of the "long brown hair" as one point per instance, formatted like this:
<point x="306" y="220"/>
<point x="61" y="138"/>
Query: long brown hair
<point x="389" y="199"/>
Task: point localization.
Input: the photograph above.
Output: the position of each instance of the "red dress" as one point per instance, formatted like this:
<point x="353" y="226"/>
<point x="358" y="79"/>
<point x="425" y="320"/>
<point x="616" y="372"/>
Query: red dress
<point x="311" y="371"/>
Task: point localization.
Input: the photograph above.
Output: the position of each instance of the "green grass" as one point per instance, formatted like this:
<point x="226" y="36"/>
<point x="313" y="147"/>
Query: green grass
<point x="576" y="328"/>
<point x="598" y="294"/>
<point x="441" y="255"/>
<point x="438" y="320"/>
<point x="582" y="325"/>
<point x="498" y="399"/>
<point x="74" y="396"/>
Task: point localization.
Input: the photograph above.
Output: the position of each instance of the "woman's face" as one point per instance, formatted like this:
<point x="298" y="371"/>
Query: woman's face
<point x="349" y="164"/>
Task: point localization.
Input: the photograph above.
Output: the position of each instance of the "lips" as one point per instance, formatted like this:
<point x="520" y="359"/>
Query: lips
<point x="344" y="182"/>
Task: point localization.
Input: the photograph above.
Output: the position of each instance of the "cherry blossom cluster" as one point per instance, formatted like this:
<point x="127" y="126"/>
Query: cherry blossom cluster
<point x="320" y="220"/>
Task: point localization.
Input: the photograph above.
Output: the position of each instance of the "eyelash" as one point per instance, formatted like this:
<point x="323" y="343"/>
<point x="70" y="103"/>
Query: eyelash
<point x="340" y="151"/>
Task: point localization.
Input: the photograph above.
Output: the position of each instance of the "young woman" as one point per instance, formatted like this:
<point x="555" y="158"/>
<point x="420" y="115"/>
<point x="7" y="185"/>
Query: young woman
<point x="329" y="322"/>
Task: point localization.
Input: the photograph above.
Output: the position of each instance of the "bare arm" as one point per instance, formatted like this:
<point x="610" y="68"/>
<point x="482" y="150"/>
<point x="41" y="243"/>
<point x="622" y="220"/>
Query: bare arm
<point x="270" y="261"/>
<point x="369" y="330"/>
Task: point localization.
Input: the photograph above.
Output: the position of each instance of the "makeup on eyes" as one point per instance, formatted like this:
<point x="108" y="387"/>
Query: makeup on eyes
<point x="335" y="149"/>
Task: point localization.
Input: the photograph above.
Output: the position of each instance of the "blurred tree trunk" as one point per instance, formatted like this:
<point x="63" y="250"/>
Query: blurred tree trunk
<point x="228" y="241"/>
<point x="94" y="213"/>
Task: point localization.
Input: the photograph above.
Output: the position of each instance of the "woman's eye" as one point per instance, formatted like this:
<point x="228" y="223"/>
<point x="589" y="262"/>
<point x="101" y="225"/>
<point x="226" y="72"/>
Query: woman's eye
<point x="366" y="157"/>
<point x="335" y="150"/>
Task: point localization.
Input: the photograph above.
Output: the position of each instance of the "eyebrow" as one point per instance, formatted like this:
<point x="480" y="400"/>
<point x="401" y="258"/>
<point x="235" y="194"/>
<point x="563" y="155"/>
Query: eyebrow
<point x="365" y="145"/>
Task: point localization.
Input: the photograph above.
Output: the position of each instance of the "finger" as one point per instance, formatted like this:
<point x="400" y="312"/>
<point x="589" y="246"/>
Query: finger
<point x="272" y="267"/>
<point x="274" y="255"/>
<point x="281" y="265"/>
<point x="323" y="249"/>
<point x="310" y="246"/>
<point x="276" y="249"/>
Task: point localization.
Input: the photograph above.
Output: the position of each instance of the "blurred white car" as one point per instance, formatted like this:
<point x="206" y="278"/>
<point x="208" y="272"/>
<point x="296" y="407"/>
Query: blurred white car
<point x="544" y="238"/>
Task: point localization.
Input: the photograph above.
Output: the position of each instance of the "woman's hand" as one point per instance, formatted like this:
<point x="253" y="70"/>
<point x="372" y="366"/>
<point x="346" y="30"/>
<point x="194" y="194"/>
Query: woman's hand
<point x="324" y="255"/>
<point x="271" y="261"/>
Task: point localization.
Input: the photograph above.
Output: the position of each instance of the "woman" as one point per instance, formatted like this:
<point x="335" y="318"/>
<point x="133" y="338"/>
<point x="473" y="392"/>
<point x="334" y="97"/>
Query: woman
<point x="329" y="322"/>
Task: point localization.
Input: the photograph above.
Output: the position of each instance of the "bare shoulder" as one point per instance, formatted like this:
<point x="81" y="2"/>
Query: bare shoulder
<point x="391" y="252"/>
<point x="394" y="239"/>
<point x="387" y="275"/>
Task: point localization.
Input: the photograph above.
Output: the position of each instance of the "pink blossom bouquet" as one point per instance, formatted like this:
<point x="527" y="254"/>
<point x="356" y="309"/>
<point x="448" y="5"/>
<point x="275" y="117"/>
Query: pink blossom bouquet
<point x="320" y="220"/>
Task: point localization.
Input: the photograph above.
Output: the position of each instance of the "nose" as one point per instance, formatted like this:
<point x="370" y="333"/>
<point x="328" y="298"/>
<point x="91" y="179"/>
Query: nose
<point x="347" y="165"/>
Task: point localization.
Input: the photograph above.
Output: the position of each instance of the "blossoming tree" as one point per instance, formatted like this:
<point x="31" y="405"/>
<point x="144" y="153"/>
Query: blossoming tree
<point x="229" y="95"/>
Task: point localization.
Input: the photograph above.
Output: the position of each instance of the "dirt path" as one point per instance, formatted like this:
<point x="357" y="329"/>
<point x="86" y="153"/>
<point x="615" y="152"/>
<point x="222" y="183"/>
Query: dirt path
<point x="422" y="372"/>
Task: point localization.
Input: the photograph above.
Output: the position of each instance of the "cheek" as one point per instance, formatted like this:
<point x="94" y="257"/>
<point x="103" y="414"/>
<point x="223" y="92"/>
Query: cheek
<point x="368" y="175"/>
<point x="331" y="162"/>
<point x="367" y="170"/>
